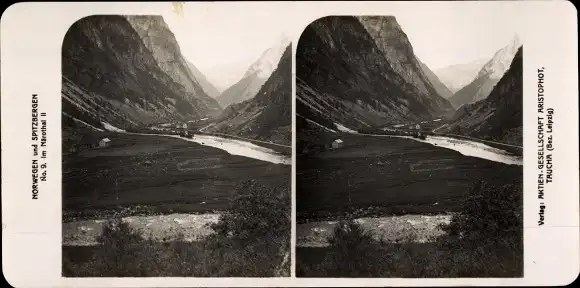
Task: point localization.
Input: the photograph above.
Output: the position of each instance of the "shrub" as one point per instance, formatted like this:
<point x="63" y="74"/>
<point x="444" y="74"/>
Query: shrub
<point x="354" y="253"/>
<point x="489" y="212"/>
<point x="252" y="240"/>
<point x="255" y="211"/>
<point x="484" y="240"/>
<point x="257" y="223"/>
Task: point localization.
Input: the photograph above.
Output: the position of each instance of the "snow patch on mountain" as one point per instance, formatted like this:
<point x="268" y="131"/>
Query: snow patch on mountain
<point x="342" y="128"/>
<point x="111" y="128"/>
<point x="268" y="61"/>
<point x="501" y="60"/>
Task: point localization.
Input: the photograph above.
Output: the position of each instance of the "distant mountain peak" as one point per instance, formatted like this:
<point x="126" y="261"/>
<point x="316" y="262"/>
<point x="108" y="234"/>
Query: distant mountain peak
<point x="488" y="76"/>
<point x="502" y="59"/>
<point x="268" y="61"/>
<point x="516" y="42"/>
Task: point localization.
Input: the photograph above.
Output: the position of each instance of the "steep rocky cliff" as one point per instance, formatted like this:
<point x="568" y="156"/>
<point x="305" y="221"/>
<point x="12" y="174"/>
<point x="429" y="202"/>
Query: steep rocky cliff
<point x="487" y="77"/>
<point x="116" y="75"/>
<point x="499" y="117"/>
<point x="395" y="45"/>
<point x="256" y="75"/>
<point x="157" y="37"/>
<point x="345" y="78"/>
<point x="267" y="116"/>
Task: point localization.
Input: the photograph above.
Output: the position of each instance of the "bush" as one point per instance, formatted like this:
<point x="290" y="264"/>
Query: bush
<point x="484" y="240"/>
<point x="489" y="212"/>
<point x="256" y="211"/>
<point x="252" y="240"/>
<point x="257" y="222"/>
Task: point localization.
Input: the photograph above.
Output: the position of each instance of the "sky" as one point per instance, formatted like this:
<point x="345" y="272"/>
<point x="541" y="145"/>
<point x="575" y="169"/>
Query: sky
<point x="448" y="37"/>
<point x="223" y="39"/>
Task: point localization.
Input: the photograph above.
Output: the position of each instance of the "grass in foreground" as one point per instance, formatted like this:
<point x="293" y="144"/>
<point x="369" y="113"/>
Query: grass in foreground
<point x="252" y="240"/>
<point x="484" y="240"/>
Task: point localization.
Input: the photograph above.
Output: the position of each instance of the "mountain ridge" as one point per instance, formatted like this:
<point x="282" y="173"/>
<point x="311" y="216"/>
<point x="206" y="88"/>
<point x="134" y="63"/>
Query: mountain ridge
<point x="205" y="84"/>
<point x="498" y="117"/>
<point x="112" y="79"/>
<point x="344" y="80"/>
<point x="255" y="76"/>
<point x="267" y="116"/>
<point x="488" y="76"/>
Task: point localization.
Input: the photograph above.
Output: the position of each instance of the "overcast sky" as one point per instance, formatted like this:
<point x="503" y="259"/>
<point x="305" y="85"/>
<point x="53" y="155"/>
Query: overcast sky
<point x="451" y="37"/>
<point x="224" y="39"/>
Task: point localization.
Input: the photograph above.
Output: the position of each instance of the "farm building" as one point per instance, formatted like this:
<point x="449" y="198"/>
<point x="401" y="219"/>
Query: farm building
<point x="337" y="143"/>
<point x="105" y="142"/>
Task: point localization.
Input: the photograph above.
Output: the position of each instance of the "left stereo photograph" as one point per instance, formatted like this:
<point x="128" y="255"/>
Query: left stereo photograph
<point x="176" y="147"/>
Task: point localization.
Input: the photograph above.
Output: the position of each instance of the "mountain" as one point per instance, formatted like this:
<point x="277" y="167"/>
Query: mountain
<point x="256" y="75"/>
<point x="128" y="72"/>
<point x="349" y="79"/>
<point x="208" y="88"/>
<point x="440" y="88"/>
<point x="458" y="76"/>
<point x="267" y="116"/>
<point x="499" y="117"/>
<point x="395" y="45"/>
<point x="487" y="77"/>
<point x="159" y="39"/>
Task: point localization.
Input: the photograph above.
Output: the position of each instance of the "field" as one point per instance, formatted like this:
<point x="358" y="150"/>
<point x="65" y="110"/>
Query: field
<point x="156" y="174"/>
<point x="372" y="176"/>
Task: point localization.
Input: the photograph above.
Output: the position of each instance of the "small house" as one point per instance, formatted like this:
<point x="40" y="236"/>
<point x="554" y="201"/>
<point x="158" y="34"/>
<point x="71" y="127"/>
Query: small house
<point x="105" y="142"/>
<point x="337" y="143"/>
<point x="418" y="127"/>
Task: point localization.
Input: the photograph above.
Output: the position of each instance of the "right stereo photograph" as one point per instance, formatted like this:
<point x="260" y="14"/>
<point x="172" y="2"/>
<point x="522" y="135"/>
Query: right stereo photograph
<point x="409" y="143"/>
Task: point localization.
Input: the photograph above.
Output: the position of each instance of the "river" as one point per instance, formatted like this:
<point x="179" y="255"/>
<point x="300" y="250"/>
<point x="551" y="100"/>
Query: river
<point x="234" y="147"/>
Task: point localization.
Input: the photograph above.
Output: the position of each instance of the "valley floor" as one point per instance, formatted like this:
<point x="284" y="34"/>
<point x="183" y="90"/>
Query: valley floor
<point x="373" y="176"/>
<point x="402" y="193"/>
<point x="149" y="174"/>
<point x="170" y="194"/>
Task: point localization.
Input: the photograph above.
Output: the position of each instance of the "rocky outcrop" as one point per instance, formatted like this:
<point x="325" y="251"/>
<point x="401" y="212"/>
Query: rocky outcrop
<point x="487" y="77"/>
<point x="267" y="116"/>
<point x="499" y="117"/>
<point x="256" y="75"/>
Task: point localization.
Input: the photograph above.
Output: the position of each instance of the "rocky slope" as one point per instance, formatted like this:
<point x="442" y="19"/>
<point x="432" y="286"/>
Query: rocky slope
<point x="208" y="88"/>
<point x="159" y="39"/>
<point x="344" y="77"/>
<point x="117" y="73"/>
<point x="440" y="88"/>
<point x="256" y="75"/>
<point x="395" y="45"/>
<point x="487" y="77"/>
<point x="499" y="117"/>
<point x="267" y="116"/>
<point x="458" y="76"/>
